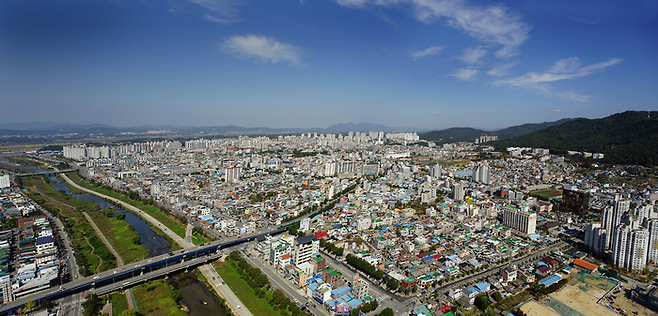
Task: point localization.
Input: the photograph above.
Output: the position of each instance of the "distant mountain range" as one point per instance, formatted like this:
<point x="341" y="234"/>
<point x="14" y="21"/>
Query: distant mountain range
<point x="52" y="129"/>
<point x="468" y="134"/>
<point x="625" y="138"/>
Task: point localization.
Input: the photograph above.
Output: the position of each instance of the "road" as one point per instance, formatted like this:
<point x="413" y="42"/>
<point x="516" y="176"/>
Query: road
<point x="280" y="282"/>
<point x="208" y="272"/>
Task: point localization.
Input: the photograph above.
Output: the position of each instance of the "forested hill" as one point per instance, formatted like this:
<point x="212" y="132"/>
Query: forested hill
<point x="625" y="138"/>
<point x="467" y="134"/>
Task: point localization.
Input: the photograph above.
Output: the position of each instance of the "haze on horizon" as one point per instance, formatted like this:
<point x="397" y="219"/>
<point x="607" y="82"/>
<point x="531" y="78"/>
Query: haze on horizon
<point x="401" y="63"/>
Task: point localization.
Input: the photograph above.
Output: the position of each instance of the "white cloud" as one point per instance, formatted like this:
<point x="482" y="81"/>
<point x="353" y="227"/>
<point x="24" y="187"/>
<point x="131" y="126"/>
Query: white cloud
<point x="260" y="48"/>
<point x="466" y="73"/>
<point x="563" y="69"/>
<point x="473" y="55"/>
<point x="218" y="11"/>
<point x="215" y="19"/>
<point x="427" y="52"/>
<point x="557" y="110"/>
<point x="500" y="70"/>
<point x="493" y="24"/>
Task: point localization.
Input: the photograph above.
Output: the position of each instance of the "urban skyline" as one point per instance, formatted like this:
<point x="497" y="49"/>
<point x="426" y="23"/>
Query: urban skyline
<point x="425" y="64"/>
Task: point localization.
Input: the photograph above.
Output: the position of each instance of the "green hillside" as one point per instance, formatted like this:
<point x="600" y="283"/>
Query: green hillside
<point x="454" y="134"/>
<point x="467" y="134"/>
<point x="625" y="138"/>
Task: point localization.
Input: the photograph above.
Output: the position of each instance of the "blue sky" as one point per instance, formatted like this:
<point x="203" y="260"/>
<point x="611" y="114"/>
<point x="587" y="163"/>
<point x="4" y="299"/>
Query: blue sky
<point x="313" y="63"/>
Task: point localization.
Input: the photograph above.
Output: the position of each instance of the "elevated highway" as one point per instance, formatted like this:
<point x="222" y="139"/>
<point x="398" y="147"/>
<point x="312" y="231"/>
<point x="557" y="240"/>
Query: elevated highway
<point x="127" y="276"/>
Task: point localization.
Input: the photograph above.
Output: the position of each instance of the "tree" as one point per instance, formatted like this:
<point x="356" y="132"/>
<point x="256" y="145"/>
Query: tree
<point x="482" y="302"/>
<point x="130" y="312"/>
<point x="121" y="216"/>
<point x="92" y="305"/>
<point x="108" y="212"/>
<point x="386" y="312"/>
<point x="30" y="305"/>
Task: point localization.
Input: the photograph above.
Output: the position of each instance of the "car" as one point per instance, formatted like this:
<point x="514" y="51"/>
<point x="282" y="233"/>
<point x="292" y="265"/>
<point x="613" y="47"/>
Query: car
<point x="96" y="277"/>
<point x="213" y="278"/>
<point x="238" y="306"/>
<point x="296" y="300"/>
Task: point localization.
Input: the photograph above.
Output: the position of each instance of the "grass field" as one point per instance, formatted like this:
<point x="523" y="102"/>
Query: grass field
<point x="546" y="193"/>
<point x="198" y="239"/>
<point x="14" y="169"/>
<point x="119" y="303"/>
<point x="27" y="161"/>
<point x="120" y="234"/>
<point x="256" y="305"/>
<point x="157" y="298"/>
<point x="165" y="218"/>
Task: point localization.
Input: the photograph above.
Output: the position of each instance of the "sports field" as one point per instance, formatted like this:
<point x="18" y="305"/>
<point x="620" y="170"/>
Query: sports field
<point x="546" y="193"/>
<point x="581" y="301"/>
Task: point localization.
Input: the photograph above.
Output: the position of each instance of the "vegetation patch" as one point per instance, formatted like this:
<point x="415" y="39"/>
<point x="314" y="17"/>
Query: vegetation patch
<point x="157" y="298"/>
<point x="15" y="169"/>
<point x="121" y="235"/>
<point x="119" y="303"/>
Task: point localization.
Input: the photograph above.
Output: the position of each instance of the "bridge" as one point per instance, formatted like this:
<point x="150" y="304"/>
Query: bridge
<point x="46" y="173"/>
<point x="135" y="273"/>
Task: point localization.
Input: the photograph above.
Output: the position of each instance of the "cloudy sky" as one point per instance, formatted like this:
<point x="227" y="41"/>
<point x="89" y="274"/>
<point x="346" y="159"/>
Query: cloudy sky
<point x="314" y="63"/>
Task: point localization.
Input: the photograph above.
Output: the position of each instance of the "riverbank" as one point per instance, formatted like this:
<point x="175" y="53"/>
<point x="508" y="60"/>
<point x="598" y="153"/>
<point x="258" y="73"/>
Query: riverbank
<point x="167" y="219"/>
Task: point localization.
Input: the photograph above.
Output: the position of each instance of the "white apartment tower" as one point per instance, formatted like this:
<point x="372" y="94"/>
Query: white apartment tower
<point x="233" y="174"/>
<point x="652" y="227"/>
<point x="482" y="174"/>
<point x="520" y="219"/>
<point x="611" y="217"/>
<point x="595" y="237"/>
<point x="630" y="247"/>
<point x="436" y="171"/>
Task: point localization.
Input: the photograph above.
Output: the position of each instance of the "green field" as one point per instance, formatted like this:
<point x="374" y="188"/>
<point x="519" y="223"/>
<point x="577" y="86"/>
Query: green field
<point x="14" y="169"/>
<point x="121" y="235"/>
<point x="256" y="305"/>
<point x="546" y="194"/>
<point x="166" y="219"/>
<point x="157" y="298"/>
<point x="119" y="303"/>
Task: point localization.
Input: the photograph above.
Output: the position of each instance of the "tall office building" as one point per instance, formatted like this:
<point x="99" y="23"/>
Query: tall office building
<point x="574" y="199"/>
<point x="520" y="219"/>
<point x="630" y="247"/>
<point x="482" y="174"/>
<point x="595" y="237"/>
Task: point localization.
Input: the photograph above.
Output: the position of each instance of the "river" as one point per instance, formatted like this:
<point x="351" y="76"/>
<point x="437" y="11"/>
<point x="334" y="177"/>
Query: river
<point x="193" y="293"/>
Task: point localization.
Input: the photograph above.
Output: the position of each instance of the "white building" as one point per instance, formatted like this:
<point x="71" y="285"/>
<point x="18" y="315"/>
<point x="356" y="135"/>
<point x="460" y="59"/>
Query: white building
<point x="520" y="219"/>
<point x="359" y="287"/>
<point x="630" y="247"/>
<point x="306" y="247"/>
<point x="4" y="181"/>
<point x="595" y="237"/>
<point x="482" y="174"/>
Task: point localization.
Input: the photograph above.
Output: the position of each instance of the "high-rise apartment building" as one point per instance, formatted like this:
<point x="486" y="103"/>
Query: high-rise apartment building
<point x="520" y="219"/>
<point x="611" y="217"/>
<point x="630" y="247"/>
<point x="652" y="227"/>
<point x="436" y="171"/>
<point x="595" y="237"/>
<point x="482" y="174"/>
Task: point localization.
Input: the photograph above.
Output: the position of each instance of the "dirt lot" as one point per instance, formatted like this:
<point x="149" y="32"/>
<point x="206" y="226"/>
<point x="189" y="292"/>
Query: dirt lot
<point x="629" y="305"/>
<point x="583" y="302"/>
<point x="534" y="308"/>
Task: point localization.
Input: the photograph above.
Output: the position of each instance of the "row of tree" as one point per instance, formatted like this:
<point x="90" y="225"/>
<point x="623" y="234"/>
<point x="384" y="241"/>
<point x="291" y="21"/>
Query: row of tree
<point x="364" y="266"/>
<point x="331" y="247"/>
